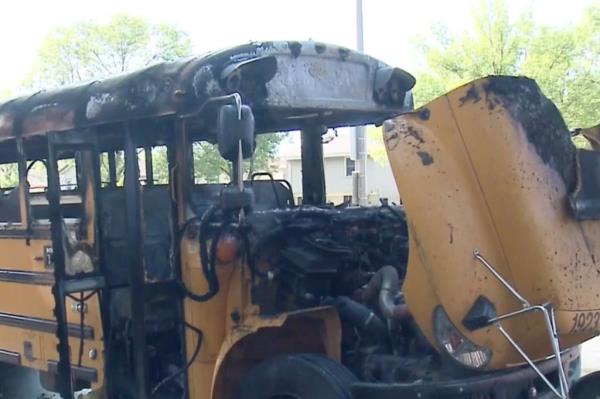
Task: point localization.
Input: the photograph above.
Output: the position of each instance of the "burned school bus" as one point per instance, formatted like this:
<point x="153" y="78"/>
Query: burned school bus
<point x="123" y="284"/>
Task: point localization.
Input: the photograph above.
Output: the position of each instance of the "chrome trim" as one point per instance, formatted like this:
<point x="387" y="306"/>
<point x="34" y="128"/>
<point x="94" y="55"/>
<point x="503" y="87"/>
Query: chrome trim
<point x="79" y="372"/>
<point x="44" y="325"/>
<point x="9" y="357"/>
<point x="26" y="277"/>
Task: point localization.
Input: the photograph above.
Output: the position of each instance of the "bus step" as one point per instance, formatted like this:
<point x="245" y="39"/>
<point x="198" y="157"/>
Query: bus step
<point x="83" y="284"/>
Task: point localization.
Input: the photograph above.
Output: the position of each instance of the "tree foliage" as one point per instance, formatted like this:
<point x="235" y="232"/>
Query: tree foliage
<point x="9" y="176"/>
<point x="85" y="51"/>
<point x="565" y="61"/>
<point x="209" y="167"/>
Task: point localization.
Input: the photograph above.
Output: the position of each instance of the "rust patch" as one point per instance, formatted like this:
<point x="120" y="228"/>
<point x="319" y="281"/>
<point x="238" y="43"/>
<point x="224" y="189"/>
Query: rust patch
<point x="426" y="159"/>
<point x="49" y="117"/>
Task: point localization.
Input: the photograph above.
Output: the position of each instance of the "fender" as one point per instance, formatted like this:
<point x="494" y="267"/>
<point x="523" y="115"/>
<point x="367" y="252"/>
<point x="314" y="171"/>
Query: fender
<point x="261" y="337"/>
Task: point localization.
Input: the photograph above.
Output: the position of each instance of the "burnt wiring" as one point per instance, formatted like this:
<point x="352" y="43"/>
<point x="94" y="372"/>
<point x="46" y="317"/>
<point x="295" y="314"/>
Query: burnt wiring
<point x="81" y="302"/>
<point x="208" y="269"/>
<point x="188" y="364"/>
<point x="250" y="260"/>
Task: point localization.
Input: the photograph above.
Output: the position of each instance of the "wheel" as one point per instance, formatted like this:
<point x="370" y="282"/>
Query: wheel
<point x="588" y="387"/>
<point x="297" y="376"/>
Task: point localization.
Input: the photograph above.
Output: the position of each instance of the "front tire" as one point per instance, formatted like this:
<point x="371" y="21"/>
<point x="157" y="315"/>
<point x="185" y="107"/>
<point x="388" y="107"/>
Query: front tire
<point x="297" y="376"/>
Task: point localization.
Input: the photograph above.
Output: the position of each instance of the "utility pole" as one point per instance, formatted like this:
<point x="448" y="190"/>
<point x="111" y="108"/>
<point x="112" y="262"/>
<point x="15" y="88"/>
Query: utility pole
<point x="359" y="176"/>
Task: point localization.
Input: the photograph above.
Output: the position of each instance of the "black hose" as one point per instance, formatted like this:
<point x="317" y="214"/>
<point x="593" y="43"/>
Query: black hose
<point x="250" y="256"/>
<point x="384" y="287"/>
<point x="208" y="269"/>
<point x="359" y="316"/>
<point x="81" y="327"/>
<point x="189" y="363"/>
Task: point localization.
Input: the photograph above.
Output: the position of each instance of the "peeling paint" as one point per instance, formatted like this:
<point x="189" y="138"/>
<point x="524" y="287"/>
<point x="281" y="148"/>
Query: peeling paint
<point x="43" y="107"/>
<point x="307" y="76"/>
<point x="95" y="104"/>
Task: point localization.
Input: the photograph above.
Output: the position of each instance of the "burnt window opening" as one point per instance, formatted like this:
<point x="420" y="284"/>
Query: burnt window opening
<point x="10" y="197"/>
<point x="209" y="167"/>
<point x="350" y="166"/>
<point x="153" y="167"/>
<point x="159" y="165"/>
<point x="112" y="169"/>
<point x="71" y="198"/>
<point x="9" y="176"/>
<point x="37" y="175"/>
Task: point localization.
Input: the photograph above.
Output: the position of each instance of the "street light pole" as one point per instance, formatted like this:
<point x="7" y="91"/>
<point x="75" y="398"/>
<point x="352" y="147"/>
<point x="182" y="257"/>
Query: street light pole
<point x="359" y="178"/>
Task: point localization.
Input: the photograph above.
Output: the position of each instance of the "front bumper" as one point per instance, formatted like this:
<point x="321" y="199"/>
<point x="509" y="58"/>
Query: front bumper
<point x="507" y="384"/>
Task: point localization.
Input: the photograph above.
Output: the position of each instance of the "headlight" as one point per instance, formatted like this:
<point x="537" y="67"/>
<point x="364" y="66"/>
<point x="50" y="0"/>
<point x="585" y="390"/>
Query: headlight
<point x="455" y="344"/>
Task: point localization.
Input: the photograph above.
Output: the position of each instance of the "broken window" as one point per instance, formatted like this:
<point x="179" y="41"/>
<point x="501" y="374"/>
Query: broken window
<point x="209" y="166"/>
<point x="9" y="184"/>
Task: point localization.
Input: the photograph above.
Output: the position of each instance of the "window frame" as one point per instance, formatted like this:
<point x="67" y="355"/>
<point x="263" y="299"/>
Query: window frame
<point x="347" y="161"/>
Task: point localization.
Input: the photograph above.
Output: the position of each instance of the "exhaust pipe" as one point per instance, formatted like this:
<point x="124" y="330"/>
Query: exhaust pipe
<point x="384" y="287"/>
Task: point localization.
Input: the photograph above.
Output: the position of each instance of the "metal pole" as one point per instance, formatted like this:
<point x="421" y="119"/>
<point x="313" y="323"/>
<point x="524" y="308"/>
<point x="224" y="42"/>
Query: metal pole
<point x="135" y="257"/>
<point x="360" y="45"/>
<point x="359" y="181"/>
<point x="313" y="172"/>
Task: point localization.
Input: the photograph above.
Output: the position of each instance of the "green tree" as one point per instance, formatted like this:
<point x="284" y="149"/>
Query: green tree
<point x="9" y="176"/>
<point x="565" y="61"/>
<point x="495" y="44"/>
<point x="209" y="167"/>
<point x="376" y="146"/>
<point x="85" y="51"/>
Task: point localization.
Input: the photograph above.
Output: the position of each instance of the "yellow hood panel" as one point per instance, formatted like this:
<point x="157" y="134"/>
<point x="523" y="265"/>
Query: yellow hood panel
<point x="488" y="167"/>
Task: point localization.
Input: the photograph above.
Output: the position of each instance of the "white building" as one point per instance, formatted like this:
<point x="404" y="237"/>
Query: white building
<point x="338" y="170"/>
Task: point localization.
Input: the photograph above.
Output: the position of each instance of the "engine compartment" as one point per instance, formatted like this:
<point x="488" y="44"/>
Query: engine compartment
<point x="351" y="258"/>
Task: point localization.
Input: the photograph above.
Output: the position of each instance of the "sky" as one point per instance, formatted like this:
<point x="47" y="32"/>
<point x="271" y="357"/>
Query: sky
<point x="390" y="26"/>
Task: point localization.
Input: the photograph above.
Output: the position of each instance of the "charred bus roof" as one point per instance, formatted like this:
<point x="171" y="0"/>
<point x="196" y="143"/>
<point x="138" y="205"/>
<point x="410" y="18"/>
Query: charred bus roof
<point x="288" y="85"/>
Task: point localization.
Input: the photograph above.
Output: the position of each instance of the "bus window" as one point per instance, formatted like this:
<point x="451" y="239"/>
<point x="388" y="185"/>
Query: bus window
<point x="9" y="187"/>
<point x="112" y="171"/>
<point x="71" y="198"/>
<point x="9" y="176"/>
<point x="209" y="166"/>
<point x="160" y="165"/>
<point x="112" y="168"/>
